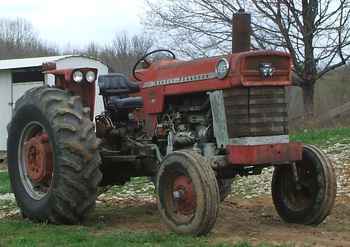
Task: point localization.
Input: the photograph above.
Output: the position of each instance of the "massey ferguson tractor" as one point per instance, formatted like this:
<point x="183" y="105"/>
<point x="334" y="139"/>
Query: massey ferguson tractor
<point x="190" y="126"/>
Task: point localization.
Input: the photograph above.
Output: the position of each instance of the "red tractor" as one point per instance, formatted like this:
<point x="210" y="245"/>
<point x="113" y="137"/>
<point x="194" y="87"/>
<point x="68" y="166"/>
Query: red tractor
<point x="192" y="126"/>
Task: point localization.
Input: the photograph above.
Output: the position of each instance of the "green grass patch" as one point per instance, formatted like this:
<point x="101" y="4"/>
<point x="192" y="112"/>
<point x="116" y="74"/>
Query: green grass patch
<point x="7" y="200"/>
<point x="24" y="233"/>
<point x="323" y="137"/>
<point x="4" y="182"/>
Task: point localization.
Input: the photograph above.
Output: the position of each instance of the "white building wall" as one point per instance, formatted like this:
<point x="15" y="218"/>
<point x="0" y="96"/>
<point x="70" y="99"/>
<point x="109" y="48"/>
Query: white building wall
<point x="5" y="106"/>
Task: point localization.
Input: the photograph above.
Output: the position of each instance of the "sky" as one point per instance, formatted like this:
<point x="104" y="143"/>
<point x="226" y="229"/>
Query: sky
<point x="77" y="22"/>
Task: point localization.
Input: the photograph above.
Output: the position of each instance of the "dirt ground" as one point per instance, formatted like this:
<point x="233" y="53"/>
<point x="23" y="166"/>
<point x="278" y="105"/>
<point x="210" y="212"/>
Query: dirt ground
<point x="252" y="220"/>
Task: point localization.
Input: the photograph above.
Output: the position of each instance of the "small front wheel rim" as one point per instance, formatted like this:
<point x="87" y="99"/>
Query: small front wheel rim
<point x="35" y="160"/>
<point x="183" y="196"/>
<point x="179" y="196"/>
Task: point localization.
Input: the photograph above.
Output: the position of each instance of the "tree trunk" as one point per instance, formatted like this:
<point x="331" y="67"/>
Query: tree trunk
<point x="308" y="97"/>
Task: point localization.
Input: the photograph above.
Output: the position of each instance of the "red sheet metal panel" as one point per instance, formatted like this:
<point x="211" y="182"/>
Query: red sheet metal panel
<point x="244" y="71"/>
<point x="264" y="154"/>
<point x="86" y="90"/>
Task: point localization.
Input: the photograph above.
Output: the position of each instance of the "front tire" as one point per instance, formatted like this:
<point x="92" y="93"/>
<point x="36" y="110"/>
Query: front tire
<point x="54" y="180"/>
<point x="310" y="199"/>
<point x="188" y="194"/>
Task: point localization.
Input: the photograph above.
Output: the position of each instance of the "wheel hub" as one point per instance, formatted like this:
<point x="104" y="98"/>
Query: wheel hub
<point x="38" y="155"/>
<point x="184" y="195"/>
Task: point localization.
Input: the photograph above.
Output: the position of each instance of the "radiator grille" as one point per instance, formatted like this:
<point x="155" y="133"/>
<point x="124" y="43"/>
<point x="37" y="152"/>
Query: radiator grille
<point x="256" y="111"/>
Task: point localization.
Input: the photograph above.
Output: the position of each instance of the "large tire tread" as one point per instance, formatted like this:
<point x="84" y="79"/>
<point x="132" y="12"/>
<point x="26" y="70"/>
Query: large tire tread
<point x="77" y="157"/>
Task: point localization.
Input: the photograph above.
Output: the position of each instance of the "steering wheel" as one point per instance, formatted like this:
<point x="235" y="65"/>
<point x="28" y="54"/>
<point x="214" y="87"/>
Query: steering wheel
<point x="144" y="58"/>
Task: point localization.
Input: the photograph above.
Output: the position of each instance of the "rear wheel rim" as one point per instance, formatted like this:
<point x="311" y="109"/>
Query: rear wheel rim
<point x="35" y="160"/>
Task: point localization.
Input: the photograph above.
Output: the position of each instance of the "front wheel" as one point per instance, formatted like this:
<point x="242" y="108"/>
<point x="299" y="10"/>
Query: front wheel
<point x="188" y="194"/>
<point x="53" y="157"/>
<point x="304" y="193"/>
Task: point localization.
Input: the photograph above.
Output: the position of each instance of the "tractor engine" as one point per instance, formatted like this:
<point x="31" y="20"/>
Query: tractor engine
<point x="186" y="121"/>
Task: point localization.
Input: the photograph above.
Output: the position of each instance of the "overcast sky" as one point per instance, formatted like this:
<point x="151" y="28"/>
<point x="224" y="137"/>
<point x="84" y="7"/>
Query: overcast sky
<point x="77" y="21"/>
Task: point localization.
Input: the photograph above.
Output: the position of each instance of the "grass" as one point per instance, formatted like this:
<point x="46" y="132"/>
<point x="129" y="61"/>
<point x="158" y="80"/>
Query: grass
<point x="4" y="182"/>
<point x="19" y="232"/>
<point x="25" y="233"/>
<point x="7" y="202"/>
<point x="49" y="235"/>
<point x="323" y="137"/>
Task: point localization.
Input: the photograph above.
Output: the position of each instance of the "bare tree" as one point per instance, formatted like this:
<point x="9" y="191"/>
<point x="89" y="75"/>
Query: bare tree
<point x="315" y="32"/>
<point x="123" y="51"/>
<point x="127" y="50"/>
<point x="92" y="50"/>
<point x="19" y="39"/>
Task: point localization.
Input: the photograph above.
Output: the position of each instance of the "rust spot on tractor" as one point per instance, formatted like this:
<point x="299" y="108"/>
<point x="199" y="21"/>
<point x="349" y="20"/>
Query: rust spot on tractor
<point x="39" y="160"/>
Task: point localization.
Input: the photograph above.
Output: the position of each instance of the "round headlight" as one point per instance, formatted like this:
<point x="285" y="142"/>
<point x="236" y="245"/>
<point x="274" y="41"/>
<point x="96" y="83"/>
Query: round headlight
<point x="78" y="76"/>
<point x="90" y="76"/>
<point x="222" y="68"/>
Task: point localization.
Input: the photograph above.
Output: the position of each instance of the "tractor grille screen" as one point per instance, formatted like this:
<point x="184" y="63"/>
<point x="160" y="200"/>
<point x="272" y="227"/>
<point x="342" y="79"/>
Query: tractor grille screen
<point x="256" y="111"/>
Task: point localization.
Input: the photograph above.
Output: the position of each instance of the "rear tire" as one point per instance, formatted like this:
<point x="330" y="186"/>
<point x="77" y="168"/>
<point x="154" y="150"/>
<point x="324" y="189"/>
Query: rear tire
<point x="310" y="200"/>
<point x="188" y="194"/>
<point x="71" y="193"/>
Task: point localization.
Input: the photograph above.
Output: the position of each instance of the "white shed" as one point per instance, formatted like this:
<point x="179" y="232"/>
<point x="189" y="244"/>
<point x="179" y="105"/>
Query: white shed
<point x="19" y="75"/>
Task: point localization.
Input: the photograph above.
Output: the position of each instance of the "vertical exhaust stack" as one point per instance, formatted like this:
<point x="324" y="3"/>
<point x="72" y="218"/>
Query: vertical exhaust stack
<point x="241" y="31"/>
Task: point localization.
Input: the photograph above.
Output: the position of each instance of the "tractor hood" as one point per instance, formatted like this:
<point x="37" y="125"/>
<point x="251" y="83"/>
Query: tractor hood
<point x="253" y="68"/>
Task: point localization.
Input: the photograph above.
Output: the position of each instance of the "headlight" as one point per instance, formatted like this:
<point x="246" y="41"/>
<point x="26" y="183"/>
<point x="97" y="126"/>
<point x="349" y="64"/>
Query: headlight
<point x="90" y="76"/>
<point x="78" y="76"/>
<point x="222" y="68"/>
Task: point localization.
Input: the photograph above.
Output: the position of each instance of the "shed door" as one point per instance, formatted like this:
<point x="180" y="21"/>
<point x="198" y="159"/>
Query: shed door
<point x="25" y="79"/>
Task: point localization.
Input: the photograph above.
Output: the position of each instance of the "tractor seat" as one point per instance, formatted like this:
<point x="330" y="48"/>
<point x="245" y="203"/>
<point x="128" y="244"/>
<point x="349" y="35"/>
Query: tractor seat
<point x="116" y="84"/>
<point x="126" y="103"/>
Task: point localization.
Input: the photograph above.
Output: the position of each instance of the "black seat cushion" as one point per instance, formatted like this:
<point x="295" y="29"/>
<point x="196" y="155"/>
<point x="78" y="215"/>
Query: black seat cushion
<point x="126" y="103"/>
<point x="115" y="84"/>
